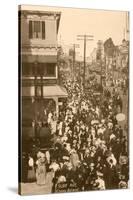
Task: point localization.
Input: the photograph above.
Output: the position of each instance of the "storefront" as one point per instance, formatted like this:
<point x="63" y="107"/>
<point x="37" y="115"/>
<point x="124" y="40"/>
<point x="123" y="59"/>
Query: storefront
<point x="36" y="108"/>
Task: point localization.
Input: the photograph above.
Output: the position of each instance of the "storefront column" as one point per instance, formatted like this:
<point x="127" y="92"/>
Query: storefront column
<point x="57" y="106"/>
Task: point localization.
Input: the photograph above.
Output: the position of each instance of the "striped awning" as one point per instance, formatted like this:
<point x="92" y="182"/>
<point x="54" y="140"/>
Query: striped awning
<point x="39" y="58"/>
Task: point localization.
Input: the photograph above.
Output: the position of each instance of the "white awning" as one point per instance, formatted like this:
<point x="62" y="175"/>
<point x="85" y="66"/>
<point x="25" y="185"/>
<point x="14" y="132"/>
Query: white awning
<point x="48" y="91"/>
<point x="28" y="91"/>
<point x="54" y="91"/>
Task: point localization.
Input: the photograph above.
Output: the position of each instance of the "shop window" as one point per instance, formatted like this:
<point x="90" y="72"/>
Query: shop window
<point x="42" y="69"/>
<point x="46" y="69"/>
<point x="27" y="111"/>
<point x="28" y="69"/>
<point x="50" y="69"/>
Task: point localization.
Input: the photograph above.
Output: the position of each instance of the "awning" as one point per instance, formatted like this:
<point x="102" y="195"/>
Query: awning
<point x="48" y="91"/>
<point x="39" y="58"/>
<point x="28" y="91"/>
<point x="54" y="91"/>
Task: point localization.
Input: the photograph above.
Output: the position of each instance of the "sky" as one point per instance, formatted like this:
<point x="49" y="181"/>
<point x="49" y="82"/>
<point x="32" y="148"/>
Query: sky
<point x="102" y="24"/>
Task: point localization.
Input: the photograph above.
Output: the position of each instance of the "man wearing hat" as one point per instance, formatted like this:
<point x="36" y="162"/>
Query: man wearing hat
<point x="99" y="183"/>
<point x="90" y="177"/>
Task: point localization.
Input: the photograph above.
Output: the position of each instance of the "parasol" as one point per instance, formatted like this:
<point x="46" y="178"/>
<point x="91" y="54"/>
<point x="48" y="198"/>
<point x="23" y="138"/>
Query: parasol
<point x="120" y="117"/>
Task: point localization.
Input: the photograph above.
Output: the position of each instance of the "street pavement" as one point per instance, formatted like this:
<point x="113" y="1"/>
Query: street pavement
<point x="34" y="189"/>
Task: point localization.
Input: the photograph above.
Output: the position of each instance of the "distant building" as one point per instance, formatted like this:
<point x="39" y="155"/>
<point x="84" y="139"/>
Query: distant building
<point x="116" y="57"/>
<point x="124" y="53"/>
<point x="93" y="55"/>
<point x="100" y="51"/>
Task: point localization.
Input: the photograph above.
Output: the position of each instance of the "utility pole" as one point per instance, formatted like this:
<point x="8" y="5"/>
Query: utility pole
<point x="73" y="61"/>
<point x="84" y="38"/>
<point x="74" y="58"/>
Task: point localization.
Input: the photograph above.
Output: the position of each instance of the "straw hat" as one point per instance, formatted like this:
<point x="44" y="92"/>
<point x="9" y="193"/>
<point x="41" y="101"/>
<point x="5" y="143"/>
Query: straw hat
<point x="72" y="151"/>
<point x="103" y="121"/>
<point x="39" y="154"/>
<point x="99" y="173"/>
<point x="100" y="125"/>
<point x="92" y="164"/>
<point x="66" y="158"/>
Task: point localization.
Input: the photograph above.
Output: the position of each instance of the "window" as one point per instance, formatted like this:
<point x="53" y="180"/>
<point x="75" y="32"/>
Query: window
<point x="46" y="69"/>
<point x="39" y="69"/>
<point x="27" y="110"/>
<point x="51" y="69"/>
<point x="42" y="69"/>
<point x="28" y="69"/>
<point x="37" y="29"/>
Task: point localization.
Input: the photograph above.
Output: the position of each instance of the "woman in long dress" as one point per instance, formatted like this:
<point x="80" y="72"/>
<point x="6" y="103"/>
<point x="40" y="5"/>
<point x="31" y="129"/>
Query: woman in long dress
<point x="41" y="169"/>
<point x="74" y="159"/>
<point x="31" y="170"/>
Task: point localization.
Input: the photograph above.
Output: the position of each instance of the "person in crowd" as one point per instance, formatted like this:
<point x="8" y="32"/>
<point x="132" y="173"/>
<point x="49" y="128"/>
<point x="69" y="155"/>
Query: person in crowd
<point x="41" y="168"/>
<point x="31" y="170"/>
<point x="99" y="183"/>
<point x="25" y="167"/>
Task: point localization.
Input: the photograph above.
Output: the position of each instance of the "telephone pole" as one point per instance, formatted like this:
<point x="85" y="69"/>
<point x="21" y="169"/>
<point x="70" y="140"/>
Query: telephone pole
<point x="84" y="38"/>
<point x="73" y="61"/>
<point x="74" y="58"/>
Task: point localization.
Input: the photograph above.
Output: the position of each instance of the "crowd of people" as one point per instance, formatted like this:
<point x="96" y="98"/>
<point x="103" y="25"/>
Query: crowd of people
<point x="89" y="145"/>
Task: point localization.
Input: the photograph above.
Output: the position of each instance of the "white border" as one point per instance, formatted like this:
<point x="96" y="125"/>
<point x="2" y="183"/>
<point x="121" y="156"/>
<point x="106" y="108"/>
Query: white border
<point x="9" y="97"/>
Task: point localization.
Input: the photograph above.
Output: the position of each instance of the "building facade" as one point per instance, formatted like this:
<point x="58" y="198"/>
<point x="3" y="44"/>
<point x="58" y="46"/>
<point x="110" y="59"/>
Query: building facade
<point x="40" y="91"/>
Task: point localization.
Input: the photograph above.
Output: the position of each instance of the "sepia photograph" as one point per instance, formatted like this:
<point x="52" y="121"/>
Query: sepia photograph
<point x="74" y="99"/>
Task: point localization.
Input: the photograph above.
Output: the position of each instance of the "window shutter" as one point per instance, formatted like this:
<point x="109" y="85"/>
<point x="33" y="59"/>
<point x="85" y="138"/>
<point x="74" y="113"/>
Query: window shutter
<point x="43" y="30"/>
<point x="30" y="30"/>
